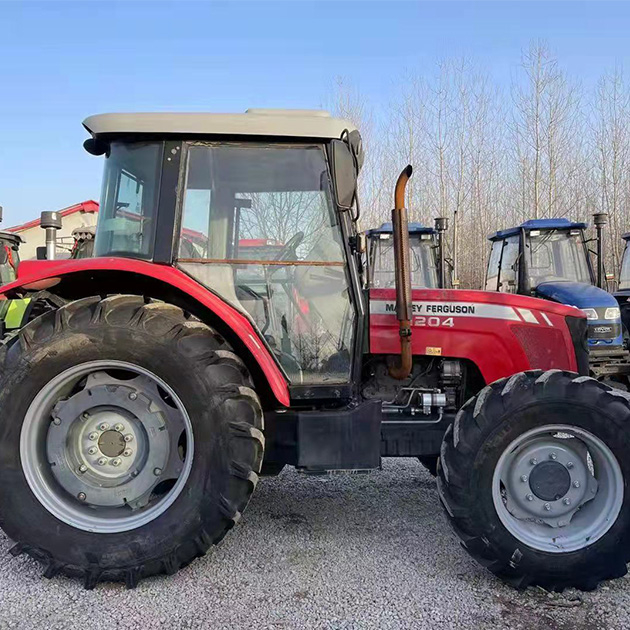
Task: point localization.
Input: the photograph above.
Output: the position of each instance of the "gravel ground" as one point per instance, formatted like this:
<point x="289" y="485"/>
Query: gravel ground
<point x="343" y="552"/>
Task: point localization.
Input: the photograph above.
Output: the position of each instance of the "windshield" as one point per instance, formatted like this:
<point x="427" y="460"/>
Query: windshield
<point x="126" y="224"/>
<point x="422" y="258"/>
<point x="259" y="227"/>
<point x="557" y="255"/>
<point x="624" y="274"/>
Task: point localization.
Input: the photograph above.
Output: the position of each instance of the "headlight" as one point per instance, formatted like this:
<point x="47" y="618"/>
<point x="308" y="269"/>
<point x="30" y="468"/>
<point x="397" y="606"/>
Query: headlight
<point x="612" y="313"/>
<point x="590" y="313"/>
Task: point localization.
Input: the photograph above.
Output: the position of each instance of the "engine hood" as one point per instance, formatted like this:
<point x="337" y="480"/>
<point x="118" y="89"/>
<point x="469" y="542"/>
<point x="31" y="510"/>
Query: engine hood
<point x="577" y="294"/>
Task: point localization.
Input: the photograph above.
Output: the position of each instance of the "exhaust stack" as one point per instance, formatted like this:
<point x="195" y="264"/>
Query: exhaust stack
<point x="441" y="225"/>
<point x="51" y="222"/>
<point x="403" y="276"/>
<point x="600" y="219"/>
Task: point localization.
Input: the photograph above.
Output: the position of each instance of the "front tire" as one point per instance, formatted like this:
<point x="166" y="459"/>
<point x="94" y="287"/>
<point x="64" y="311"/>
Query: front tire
<point x="533" y="475"/>
<point x="130" y="439"/>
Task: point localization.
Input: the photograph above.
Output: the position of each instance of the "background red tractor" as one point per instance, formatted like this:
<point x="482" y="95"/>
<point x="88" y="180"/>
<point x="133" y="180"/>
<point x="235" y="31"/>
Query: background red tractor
<point x="153" y="382"/>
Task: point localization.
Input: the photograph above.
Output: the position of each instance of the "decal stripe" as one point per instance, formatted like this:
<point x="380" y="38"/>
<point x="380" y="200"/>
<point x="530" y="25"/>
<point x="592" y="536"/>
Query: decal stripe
<point x="527" y="315"/>
<point x="544" y="316"/>
<point x="449" y="309"/>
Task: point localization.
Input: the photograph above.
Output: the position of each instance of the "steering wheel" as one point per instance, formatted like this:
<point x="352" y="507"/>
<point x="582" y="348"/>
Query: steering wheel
<point x="288" y="252"/>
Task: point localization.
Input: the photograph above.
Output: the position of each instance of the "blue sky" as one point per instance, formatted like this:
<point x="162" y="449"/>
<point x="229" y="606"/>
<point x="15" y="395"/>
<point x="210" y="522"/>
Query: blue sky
<point x="61" y="61"/>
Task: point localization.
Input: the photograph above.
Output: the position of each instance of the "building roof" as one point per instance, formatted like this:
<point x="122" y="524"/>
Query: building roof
<point x="289" y="123"/>
<point x="414" y="228"/>
<point x="539" y="224"/>
<point x="85" y="206"/>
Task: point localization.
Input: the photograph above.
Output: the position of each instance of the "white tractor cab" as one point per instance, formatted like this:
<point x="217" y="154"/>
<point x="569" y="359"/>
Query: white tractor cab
<point x="426" y="256"/>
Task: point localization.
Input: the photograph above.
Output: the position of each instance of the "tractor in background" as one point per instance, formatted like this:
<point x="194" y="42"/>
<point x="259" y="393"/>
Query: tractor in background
<point x="150" y="386"/>
<point x="429" y="267"/>
<point x="9" y="254"/>
<point x="623" y="287"/>
<point x="550" y="259"/>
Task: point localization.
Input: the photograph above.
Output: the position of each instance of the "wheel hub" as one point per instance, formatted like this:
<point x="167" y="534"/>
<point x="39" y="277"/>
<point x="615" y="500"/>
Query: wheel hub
<point x="556" y="488"/>
<point x="550" y="481"/>
<point x="112" y="443"/>
<point x="107" y="449"/>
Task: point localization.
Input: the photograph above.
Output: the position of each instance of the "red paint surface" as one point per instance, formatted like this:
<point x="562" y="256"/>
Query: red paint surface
<point x="489" y="343"/>
<point x="31" y="271"/>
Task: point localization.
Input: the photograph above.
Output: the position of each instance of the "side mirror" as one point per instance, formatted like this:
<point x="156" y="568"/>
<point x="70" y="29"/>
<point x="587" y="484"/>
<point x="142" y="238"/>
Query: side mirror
<point x="344" y="173"/>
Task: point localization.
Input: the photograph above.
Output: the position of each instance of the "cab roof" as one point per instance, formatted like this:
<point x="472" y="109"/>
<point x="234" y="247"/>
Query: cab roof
<point x="286" y="123"/>
<point x="414" y="228"/>
<point x="538" y="224"/>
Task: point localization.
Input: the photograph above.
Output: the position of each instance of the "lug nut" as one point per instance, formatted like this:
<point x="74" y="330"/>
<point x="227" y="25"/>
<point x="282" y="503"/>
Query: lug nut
<point x="566" y="501"/>
<point x="576" y="484"/>
<point x="57" y="421"/>
<point x="81" y="496"/>
<point x="547" y="507"/>
<point x="116" y="462"/>
<point x="133" y="396"/>
<point x="127" y="452"/>
<point x="157" y="472"/>
<point x="553" y="456"/>
<point x="82" y="468"/>
<point x="569" y="465"/>
<point x="119" y="427"/>
<point x="92" y="450"/>
<point x="523" y="478"/>
<point x="533" y="461"/>
<point x="530" y="497"/>
<point x="104" y="426"/>
<point x="102" y="461"/>
<point x="128" y="437"/>
<point x="93" y="436"/>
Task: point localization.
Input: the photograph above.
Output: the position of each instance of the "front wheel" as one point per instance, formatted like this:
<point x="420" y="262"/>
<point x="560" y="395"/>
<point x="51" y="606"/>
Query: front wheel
<point x="533" y="477"/>
<point x="130" y="439"/>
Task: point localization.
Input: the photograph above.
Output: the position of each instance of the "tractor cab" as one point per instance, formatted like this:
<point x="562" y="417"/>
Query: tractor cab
<point x="423" y="257"/>
<point x="550" y="259"/>
<point x="624" y="272"/>
<point x="9" y="256"/>
<point x="253" y="220"/>
<point x="623" y="286"/>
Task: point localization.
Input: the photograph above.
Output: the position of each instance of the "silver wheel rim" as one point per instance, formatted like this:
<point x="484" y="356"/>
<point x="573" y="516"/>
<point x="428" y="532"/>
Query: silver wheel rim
<point x="557" y="488"/>
<point x="106" y="446"/>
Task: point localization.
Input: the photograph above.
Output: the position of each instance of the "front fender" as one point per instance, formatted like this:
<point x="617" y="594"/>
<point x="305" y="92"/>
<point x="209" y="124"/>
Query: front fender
<point x="40" y="275"/>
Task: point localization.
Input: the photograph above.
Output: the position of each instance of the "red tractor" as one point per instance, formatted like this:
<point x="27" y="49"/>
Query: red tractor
<point x="152" y="383"/>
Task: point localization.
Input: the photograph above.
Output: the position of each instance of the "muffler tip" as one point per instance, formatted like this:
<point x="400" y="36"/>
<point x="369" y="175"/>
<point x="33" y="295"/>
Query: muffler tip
<point x="409" y="170"/>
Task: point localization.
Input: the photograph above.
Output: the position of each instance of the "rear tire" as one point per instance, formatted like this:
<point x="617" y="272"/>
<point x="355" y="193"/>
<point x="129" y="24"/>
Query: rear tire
<point x="182" y="356"/>
<point x="543" y="528"/>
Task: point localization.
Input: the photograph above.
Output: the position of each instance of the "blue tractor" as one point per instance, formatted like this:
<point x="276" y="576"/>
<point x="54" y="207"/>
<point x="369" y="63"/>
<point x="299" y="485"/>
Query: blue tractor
<point x="550" y="259"/>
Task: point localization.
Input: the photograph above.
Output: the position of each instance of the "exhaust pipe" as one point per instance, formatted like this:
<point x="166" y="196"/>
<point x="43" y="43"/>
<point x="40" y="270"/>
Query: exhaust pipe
<point x="403" y="276"/>
<point x="441" y="225"/>
<point x="51" y="222"/>
<point x="600" y="219"/>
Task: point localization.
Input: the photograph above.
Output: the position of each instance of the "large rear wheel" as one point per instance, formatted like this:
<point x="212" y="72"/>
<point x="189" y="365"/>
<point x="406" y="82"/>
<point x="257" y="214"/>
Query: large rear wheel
<point x="533" y="477"/>
<point x="130" y="439"/>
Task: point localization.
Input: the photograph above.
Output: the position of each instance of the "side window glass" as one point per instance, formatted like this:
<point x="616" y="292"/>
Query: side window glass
<point x="509" y="265"/>
<point x="492" y="275"/>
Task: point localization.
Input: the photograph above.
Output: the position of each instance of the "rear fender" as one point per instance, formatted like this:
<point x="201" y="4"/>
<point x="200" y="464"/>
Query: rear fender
<point x="73" y="279"/>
